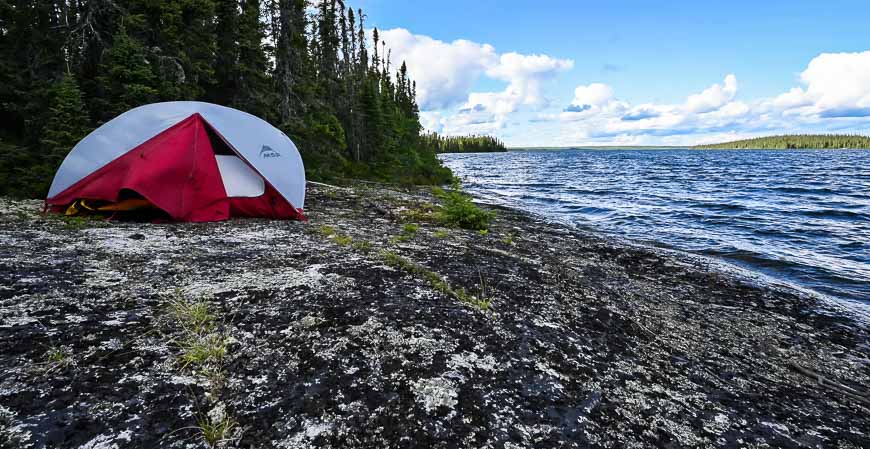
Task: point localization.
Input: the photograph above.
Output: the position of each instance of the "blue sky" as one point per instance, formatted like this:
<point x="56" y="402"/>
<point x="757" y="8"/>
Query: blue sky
<point x="676" y="72"/>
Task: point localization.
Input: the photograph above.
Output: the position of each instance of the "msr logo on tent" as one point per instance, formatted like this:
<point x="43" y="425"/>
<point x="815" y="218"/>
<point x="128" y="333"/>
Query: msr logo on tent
<point x="267" y="152"/>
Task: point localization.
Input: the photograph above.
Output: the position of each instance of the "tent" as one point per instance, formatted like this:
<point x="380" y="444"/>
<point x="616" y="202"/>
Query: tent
<point x="193" y="161"/>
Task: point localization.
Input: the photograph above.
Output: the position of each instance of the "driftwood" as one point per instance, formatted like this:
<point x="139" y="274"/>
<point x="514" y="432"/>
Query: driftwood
<point x="845" y="390"/>
<point x="327" y="185"/>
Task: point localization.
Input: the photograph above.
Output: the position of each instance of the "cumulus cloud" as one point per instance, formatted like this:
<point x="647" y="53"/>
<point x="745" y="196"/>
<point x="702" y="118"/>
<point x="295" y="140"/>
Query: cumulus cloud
<point x="836" y="85"/>
<point x="714" y="97"/>
<point x="447" y="72"/>
<point x="833" y="94"/>
<point x="595" y="94"/>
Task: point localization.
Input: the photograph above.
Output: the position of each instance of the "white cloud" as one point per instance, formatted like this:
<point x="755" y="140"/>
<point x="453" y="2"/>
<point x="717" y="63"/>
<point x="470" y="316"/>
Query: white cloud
<point x="595" y="94"/>
<point x="446" y="73"/>
<point x="837" y="85"/>
<point x="833" y="96"/>
<point x="714" y="97"/>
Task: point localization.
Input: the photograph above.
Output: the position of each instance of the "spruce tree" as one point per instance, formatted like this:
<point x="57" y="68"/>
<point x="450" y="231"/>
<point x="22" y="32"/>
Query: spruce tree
<point x="127" y="78"/>
<point x="67" y="124"/>
<point x="226" y="51"/>
<point x="252" y="90"/>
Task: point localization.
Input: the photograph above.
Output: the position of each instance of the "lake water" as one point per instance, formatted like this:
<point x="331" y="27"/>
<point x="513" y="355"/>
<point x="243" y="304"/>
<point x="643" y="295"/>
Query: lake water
<point x="802" y="217"/>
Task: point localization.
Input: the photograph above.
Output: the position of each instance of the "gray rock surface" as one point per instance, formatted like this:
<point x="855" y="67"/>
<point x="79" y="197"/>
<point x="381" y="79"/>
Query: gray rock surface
<point x="586" y="342"/>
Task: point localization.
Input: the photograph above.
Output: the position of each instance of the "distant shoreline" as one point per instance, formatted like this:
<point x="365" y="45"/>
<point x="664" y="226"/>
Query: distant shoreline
<point x="654" y="148"/>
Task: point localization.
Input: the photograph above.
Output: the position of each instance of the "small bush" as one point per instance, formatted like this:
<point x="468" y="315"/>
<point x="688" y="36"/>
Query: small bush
<point x="411" y="228"/>
<point x="326" y="230"/>
<point x="343" y="240"/>
<point x="441" y="234"/>
<point x="363" y="246"/>
<point x="459" y="210"/>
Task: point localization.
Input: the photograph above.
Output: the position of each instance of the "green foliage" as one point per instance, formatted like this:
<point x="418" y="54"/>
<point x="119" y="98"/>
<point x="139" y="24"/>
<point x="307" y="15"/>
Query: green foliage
<point x="57" y="357"/>
<point x="326" y="230"/>
<point x="343" y="240"/>
<point x="363" y="246"/>
<point x="459" y="210"/>
<point x="194" y="317"/>
<point x="127" y="77"/>
<point x="305" y="66"/>
<point x="67" y="123"/>
<point x="200" y="350"/>
<point x="216" y="430"/>
<point x="436" y="281"/>
<point x="463" y="144"/>
<point x="799" y="141"/>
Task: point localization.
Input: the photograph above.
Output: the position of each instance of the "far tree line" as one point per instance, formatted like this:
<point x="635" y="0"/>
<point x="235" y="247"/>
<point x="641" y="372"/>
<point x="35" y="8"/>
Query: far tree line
<point x="310" y="68"/>
<point x="463" y="144"/>
<point x="796" y="141"/>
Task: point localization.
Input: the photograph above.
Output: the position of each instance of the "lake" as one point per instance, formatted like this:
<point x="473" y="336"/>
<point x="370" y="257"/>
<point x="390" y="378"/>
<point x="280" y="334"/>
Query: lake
<point x="798" y="216"/>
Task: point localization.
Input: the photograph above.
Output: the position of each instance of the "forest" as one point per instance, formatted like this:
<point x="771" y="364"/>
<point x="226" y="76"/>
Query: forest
<point x="463" y="144"/>
<point x="312" y="69"/>
<point x="795" y="141"/>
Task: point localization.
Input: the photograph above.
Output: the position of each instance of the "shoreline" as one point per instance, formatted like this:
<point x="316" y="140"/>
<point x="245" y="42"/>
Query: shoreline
<point x="848" y="308"/>
<point x="349" y="331"/>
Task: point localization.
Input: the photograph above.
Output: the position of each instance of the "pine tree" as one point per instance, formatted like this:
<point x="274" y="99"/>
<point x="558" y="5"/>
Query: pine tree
<point x="290" y="58"/>
<point x="68" y="120"/>
<point x="67" y="124"/>
<point x="226" y="51"/>
<point x="253" y="87"/>
<point x="127" y="78"/>
<point x="331" y="88"/>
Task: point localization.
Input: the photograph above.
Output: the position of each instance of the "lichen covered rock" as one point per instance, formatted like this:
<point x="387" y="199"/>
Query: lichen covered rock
<point x="330" y="342"/>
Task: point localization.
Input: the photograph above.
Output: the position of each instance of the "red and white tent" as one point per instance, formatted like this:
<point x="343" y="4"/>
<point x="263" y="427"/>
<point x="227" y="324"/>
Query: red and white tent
<point x="195" y="161"/>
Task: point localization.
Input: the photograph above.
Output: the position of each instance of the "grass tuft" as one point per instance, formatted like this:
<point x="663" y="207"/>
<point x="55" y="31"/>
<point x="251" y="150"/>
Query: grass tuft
<point x="194" y="317"/>
<point x="201" y="350"/>
<point x="343" y="240"/>
<point x="57" y="358"/>
<point x="216" y="429"/>
<point x="326" y="230"/>
<point x="435" y="280"/>
<point x="363" y="246"/>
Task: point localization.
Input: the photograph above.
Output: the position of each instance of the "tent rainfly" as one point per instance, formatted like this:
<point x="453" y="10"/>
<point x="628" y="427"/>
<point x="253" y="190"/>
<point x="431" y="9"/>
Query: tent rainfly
<point x="194" y="161"/>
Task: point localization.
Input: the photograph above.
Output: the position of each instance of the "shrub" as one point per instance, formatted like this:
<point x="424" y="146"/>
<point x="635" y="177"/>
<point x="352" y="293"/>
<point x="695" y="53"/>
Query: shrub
<point x="459" y="210"/>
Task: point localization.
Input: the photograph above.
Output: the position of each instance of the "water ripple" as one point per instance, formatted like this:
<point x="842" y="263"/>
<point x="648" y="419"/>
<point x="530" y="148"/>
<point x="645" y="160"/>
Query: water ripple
<point x="799" y="216"/>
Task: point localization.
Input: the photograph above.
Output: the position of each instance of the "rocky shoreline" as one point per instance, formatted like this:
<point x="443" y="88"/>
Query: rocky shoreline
<point x="371" y="326"/>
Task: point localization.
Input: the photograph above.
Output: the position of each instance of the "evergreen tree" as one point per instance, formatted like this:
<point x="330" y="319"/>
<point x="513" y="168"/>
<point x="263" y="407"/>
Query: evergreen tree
<point x="127" y="78"/>
<point x="330" y="89"/>
<point x="252" y="88"/>
<point x="290" y="58"/>
<point x="67" y="124"/>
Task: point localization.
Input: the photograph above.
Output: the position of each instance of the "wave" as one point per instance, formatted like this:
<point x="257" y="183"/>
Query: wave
<point x="782" y="214"/>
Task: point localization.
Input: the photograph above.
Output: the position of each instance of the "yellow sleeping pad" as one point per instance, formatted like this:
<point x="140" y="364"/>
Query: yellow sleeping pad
<point x="87" y="207"/>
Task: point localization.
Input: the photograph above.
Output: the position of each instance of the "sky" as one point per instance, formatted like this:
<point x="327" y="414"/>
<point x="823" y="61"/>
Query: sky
<point x="618" y="72"/>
